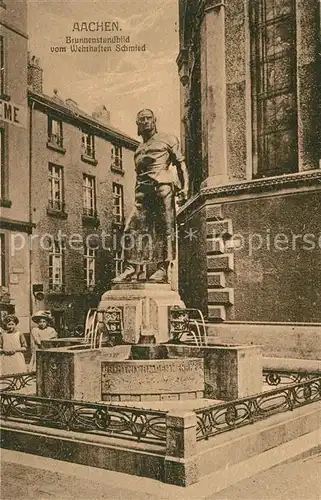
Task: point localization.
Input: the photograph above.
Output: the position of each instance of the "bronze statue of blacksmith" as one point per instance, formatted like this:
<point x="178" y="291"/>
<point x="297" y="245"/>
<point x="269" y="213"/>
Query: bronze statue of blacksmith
<point x="161" y="174"/>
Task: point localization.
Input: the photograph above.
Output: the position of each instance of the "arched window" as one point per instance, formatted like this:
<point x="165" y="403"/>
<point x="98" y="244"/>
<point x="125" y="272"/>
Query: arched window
<point x="274" y="100"/>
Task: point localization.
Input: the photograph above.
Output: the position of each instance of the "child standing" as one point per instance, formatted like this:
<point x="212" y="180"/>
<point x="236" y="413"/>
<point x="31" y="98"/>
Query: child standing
<point x="43" y="331"/>
<point x="12" y="344"/>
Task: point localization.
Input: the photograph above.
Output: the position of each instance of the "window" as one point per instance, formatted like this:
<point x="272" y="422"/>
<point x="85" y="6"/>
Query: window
<point x="117" y="157"/>
<point x="2" y="67"/>
<point x="89" y="195"/>
<point x="2" y="261"/>
<point x="56" y="267"/>
<point x="118" y="204"/>
<point x="88" y="145"/>
<point x="56" y="188"/>
<point x="118" y="262"/>
<point x="2" y="156"/>
<point x="55" y="135"/>
<point x="89" y="267"/>
<point x="273" y="46"/>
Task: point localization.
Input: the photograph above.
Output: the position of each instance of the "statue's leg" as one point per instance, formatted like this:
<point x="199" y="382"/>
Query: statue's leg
<point x="166" y="214"/>
<point x="131" y="270"/>
<point x="141" y="272"/>
<point x="137" y="245"/>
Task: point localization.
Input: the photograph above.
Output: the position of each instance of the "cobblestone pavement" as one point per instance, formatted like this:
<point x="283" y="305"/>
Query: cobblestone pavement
<point x="25" y="477"/>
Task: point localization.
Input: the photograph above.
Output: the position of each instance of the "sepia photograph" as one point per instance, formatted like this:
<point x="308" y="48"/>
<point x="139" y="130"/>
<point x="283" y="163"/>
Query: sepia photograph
<point x="160" y="241"/>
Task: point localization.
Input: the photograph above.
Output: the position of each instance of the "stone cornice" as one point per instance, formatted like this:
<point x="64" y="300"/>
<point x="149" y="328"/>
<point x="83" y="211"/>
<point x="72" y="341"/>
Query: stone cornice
<point x="266" y="184"/>
<point x="270" y="186"/>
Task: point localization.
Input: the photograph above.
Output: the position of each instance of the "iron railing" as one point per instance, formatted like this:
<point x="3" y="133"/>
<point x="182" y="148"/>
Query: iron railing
<point x="91" y="418"/>
<point x="230" y="415"/>
<point x="149" y="425"/>
<point x="276" y="377"/>
<point x="17" y="381"/>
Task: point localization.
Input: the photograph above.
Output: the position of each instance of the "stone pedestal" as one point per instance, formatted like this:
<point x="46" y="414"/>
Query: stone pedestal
<point x="145" y="310"/>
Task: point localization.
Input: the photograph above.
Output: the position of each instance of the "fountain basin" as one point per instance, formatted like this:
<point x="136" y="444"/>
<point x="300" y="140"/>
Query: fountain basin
<point x="149" y="372"/>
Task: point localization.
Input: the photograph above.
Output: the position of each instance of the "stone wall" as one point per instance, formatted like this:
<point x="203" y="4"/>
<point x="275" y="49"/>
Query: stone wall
<point x="274" y="283"/>
<point x="14" y="199"/>
<point x="277" y="281"/>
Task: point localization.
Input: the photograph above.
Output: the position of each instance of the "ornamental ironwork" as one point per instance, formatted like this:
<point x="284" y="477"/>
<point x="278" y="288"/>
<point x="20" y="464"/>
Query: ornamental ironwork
<point x="92" y="418"/>
<point x="187" y="326"/>
<point x="286" y="377"/>
<point x="112" y="317"/>
<point x="17" y="381"/>
<point x="228" y="416"/>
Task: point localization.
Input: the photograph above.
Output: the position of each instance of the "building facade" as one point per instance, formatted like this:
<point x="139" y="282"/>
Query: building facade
<point x="250" y="112"/>
<point x="82" y="177"/>
<point x="15" y="220"/>
<point x="67" y="184"/>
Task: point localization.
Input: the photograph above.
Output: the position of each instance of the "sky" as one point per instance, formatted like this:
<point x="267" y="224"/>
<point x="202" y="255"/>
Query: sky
<point x="123" y="82"/>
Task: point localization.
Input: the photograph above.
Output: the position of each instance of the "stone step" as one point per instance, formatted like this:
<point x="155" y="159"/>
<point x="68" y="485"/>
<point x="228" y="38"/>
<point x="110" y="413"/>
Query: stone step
<point x="301" y="448"/>
<point x="236" y="447"/>
<point x="115" y="454"/>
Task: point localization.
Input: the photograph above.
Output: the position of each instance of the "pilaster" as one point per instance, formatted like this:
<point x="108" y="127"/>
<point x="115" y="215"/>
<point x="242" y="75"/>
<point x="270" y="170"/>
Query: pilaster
<point x="214" y="121"/>
<point x="308" y="83"/>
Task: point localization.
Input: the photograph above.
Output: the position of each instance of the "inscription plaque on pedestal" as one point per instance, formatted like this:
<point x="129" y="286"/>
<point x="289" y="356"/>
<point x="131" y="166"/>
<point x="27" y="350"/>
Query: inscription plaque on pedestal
<point x="161" y="376"/>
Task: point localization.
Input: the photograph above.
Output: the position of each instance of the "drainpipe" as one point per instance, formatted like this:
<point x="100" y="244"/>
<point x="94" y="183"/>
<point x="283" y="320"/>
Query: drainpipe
<point x="30" y="212"/>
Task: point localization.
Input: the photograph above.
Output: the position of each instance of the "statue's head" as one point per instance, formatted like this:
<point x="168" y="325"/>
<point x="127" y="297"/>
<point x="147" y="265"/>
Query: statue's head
<point x="146" y="121"/>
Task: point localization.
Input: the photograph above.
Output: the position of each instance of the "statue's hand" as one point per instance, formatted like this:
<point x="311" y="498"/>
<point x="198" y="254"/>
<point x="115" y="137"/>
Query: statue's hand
<point x="182" y="196"/>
